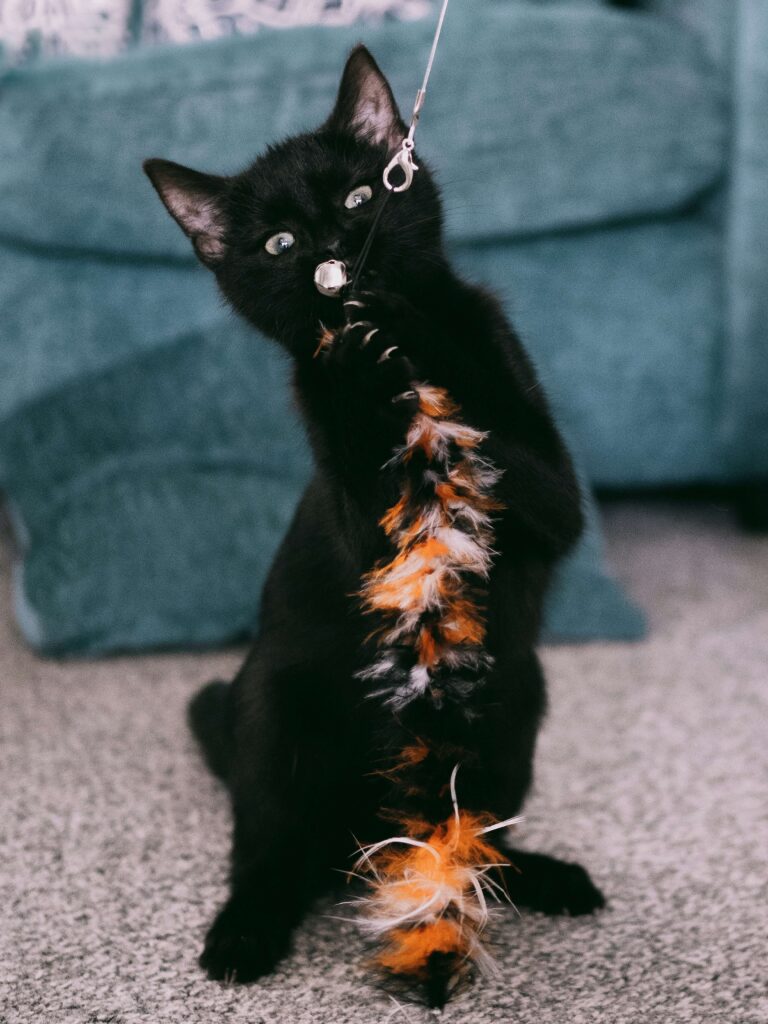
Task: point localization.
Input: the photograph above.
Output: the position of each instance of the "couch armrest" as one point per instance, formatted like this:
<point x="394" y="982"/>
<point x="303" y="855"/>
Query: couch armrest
<point x="744" y="420"/>
<point x="712" y="20"/>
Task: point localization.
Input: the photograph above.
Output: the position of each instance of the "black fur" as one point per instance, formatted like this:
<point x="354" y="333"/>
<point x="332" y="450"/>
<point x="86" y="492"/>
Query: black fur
<point x="295" y="735"/>
<point x="210" y="719"/>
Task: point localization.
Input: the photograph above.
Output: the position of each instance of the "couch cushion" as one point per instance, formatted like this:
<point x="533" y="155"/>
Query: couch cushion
<point x="64" y="317"/>
<point x="626" y="329"/>
<point x="538" y="118"/>
<point x="149" y="499"/>
<point x="714" y="20"/>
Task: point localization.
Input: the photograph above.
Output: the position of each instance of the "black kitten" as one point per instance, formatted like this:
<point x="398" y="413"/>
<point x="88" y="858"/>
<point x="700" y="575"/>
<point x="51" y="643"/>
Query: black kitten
<point x="294" y="735"/>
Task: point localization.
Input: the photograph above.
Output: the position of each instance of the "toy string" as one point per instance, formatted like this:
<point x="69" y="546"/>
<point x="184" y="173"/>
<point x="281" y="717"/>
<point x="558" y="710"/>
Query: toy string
<point x="369" y="241"/>
<point x="403" y="159"/>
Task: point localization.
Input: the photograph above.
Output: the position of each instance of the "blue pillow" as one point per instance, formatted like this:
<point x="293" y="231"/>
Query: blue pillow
<point x="148" y="500"/>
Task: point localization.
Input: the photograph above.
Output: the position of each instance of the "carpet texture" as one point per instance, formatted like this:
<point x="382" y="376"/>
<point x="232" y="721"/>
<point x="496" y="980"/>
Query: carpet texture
<point x="651" y="770"/>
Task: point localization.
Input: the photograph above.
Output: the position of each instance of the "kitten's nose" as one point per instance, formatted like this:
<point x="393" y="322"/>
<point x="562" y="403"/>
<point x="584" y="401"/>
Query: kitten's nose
<point x="332" y="249"/>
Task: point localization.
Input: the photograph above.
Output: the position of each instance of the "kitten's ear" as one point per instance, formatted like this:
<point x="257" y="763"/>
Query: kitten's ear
<point x="196" y="203"/>
<point x="365" y="105"/>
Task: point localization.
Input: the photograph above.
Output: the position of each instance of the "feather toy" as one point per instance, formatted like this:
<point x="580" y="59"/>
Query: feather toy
<point x="429" y="886"/>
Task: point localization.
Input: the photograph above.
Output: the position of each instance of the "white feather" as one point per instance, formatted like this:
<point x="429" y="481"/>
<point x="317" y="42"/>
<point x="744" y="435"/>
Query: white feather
<point x="416" y="898"/>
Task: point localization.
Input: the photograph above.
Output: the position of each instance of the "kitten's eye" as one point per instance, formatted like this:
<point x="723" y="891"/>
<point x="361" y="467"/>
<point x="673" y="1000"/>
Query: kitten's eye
<point x="358" y="196"/>
<point x="279" y="243"/>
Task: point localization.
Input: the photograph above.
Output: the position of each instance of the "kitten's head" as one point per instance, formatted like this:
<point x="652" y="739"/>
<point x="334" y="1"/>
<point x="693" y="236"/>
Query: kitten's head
<point x="309" y="199"/>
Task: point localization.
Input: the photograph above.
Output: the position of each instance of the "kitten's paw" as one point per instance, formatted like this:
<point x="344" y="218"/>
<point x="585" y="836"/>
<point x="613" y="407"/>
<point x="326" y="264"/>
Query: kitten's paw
<point x="551" y="886"/>
<point x="386" y="309"/>
<point x="371" y="353"/>
<point x="242" y="944"/>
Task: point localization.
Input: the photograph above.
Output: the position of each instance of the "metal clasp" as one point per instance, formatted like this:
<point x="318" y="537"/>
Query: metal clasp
<point x="403" y="159"/>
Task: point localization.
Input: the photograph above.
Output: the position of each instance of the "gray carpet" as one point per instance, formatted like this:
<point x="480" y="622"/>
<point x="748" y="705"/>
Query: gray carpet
<point x="652" y="770"/>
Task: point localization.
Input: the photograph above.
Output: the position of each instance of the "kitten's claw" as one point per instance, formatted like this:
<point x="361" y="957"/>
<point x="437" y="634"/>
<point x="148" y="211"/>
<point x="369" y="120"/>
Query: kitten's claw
<point x="386" y="353"/>
<point x="405" y="396"/>
<point x="357" y="323"/>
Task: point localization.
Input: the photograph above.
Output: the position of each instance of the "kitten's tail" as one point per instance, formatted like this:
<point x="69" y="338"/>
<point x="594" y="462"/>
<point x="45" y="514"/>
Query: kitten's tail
<point x="210" y="718"/>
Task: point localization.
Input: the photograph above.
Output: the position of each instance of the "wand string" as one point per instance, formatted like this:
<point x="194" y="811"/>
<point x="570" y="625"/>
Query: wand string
<point x="369" y="241"/>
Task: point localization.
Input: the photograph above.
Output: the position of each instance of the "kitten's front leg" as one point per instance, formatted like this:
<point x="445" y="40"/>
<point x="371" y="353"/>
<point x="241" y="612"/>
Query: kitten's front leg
<point x="285" y="773"/>
<point x="358" y="395"/>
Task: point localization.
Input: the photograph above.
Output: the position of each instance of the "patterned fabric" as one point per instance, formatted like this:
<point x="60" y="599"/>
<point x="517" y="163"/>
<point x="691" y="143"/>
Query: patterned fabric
<point x="49" y="28"/>
<point x="182" y="21"/>
<point x="30" y="29"/>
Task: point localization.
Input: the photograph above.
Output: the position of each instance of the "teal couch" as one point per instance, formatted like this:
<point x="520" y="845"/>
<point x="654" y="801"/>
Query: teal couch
<point x="604" y="170"/>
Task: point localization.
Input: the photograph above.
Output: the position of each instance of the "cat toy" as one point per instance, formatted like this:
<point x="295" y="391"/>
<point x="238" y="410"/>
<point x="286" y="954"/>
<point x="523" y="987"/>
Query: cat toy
<point x="429" y="886"/>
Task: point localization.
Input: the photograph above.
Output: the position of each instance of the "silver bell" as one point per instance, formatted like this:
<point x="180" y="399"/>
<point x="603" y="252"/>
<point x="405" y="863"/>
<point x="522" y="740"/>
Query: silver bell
<point x="330" y="277"/>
